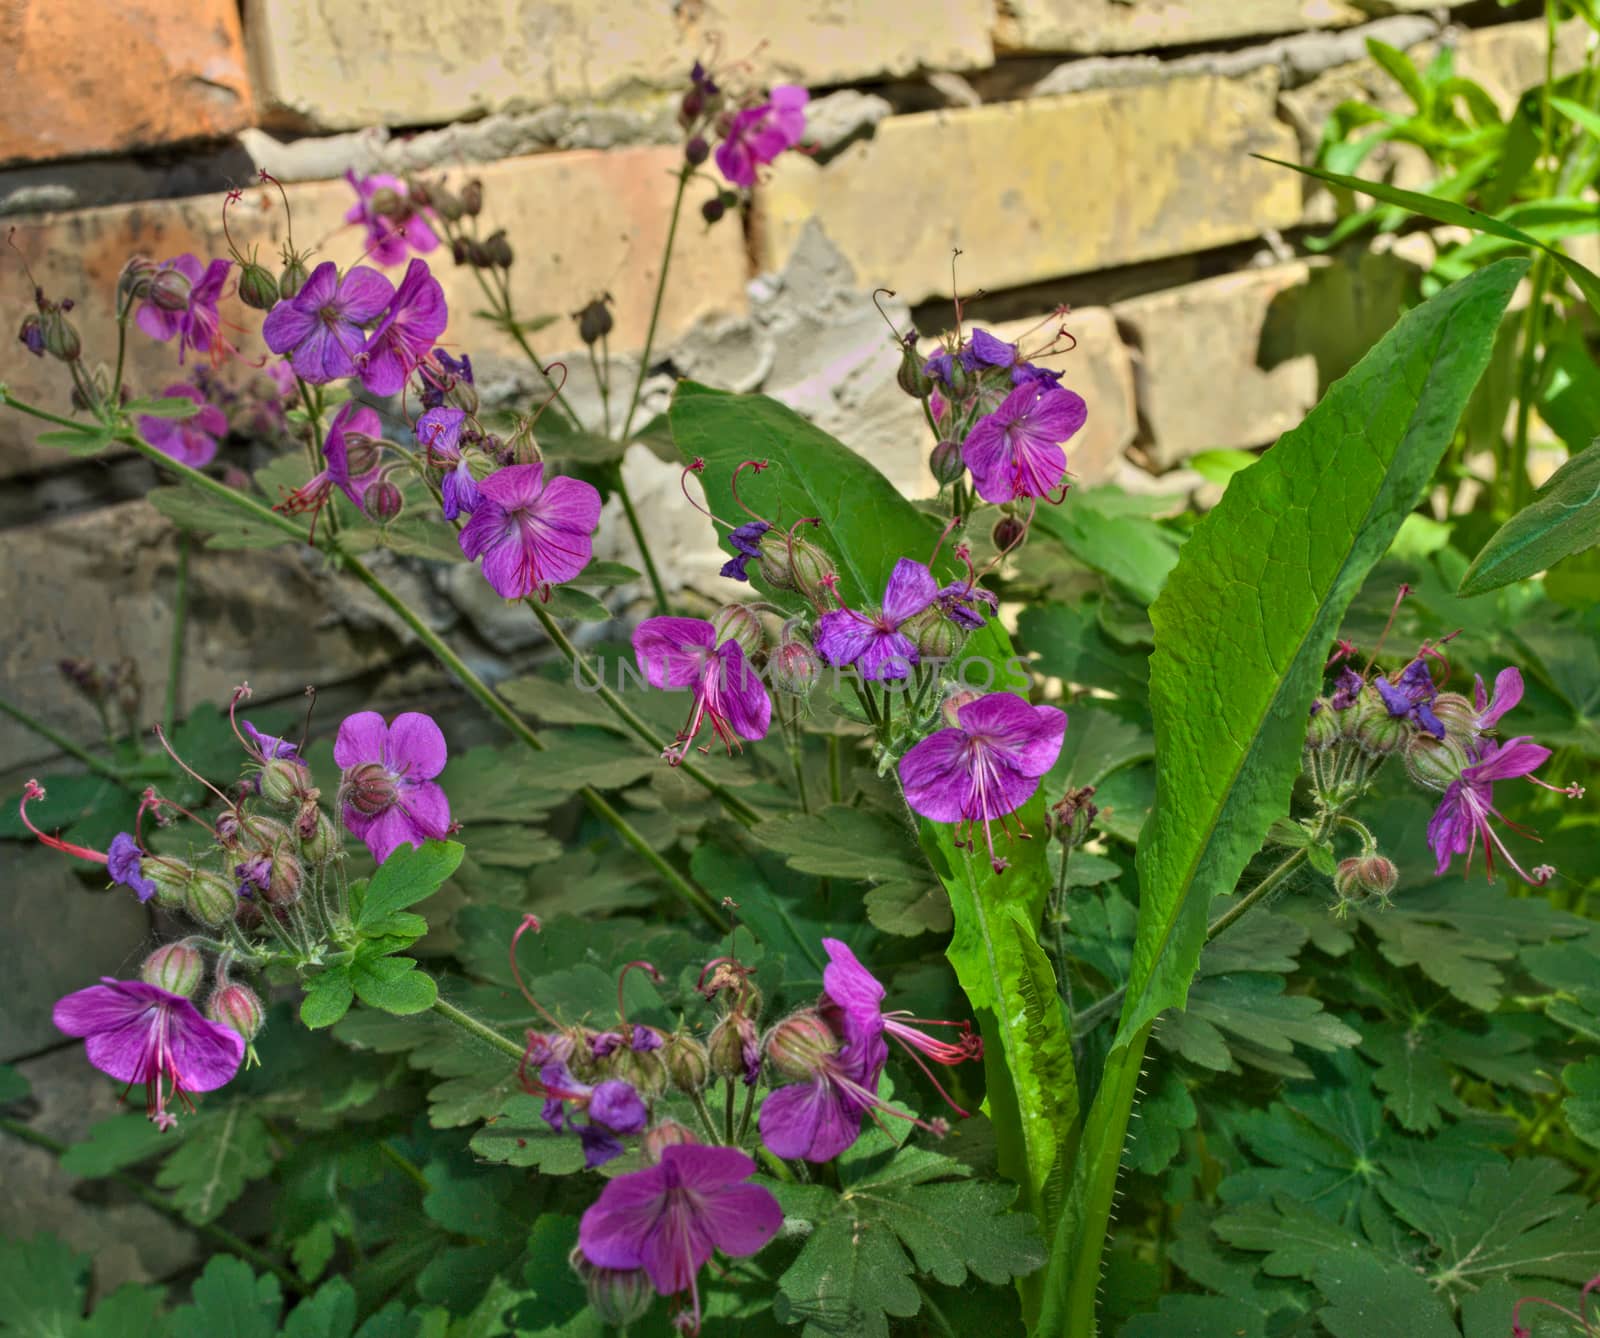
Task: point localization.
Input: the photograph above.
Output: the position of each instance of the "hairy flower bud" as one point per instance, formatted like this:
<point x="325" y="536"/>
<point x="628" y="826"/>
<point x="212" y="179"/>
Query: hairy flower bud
<point x="696" y="151"/>
<point x="238" y="1007"/>
<point x="285" y="873"/>
<point x="691" y="107"/>
<point x="61" y="336"/>
<point x="384" y="500"/>
<point x="1458" y="716"/>
<point x="794" y="564"/>
<point x="734" y="1047"/>
<point x="741" y="623"/>
<point x="133" y="284"/>
<point x="32" y="334"/>
<point x="1008" y="532"/>
<point x="795" y="665"/>
<point x="369" y="789"/>
<point x="798" y="1046"/>
<point x="643" y="1070"/>
<point x="619" y="1296"/>
<point x="170" y="289"/>
<point x="1435" y="764"/>
<point x="935" y="636"/>
<point x="946" y="464"/>
<point x="472" y="198"/>
<point x="909" y="376"/>
<point x="595" y="321"/>
<point x="257" y="287"/>
<point x="210" y="898"/>
<point x="387" y="202"/>
<point x="284" y="782"/>
<point x="713" y="210"/>
<point x="667" y="1134"/>
<point x="688" y="1063"/>
<point x="951" y="707"/>
<point x="1070" y="818"/>
<point x="292" y="278"/>
<point x="319" y="838"/>
<point x="172" y="878"/>
<point x="1324" y="729"/>
<point x="497" y="250"/>
<point x="1365" y="876"/>
<point x="1375" y="731"/>
<point x="174" y="967"/>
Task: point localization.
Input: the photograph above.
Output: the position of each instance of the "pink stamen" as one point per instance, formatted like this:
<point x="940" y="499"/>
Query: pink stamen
<point x="33" y="790"/>
<point x="642" y="965"/>
<point x="529" y="922"/>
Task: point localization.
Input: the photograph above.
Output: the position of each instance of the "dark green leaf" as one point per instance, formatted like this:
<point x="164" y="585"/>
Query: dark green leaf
<point x="225" y="1150"/>
<point x="393" y="984"/>
<point x="13" y="1086"/>
<point x="843" y="842"/>
<point x="42" y="1283"/>
<point x="118" y="1142"/>
<point x="406" y="877"/>
<point x="168" y="406"/>
<point x="87" y="440"/>
<point x="1583" y="1105"/>
<point x="328" y="999"/>
<point x="192" y="509"/>
<point x="230" y="1302"/>
<point x="909" y="908"/>
<point x="330" y="1313"/>
<point x="1563" y="519"/>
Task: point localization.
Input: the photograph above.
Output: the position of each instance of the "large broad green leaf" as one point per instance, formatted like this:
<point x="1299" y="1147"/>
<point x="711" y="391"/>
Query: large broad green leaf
<point x="1242" y="629"/>
<point x="868" y="526"/>
<point x="1563" y="519"/>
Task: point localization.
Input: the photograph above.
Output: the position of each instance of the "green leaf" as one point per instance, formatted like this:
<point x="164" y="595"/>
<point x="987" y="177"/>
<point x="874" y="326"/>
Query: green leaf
<point x="330" y="1313"/>
<point x="118" y="1142"/>
<point x="1369" y="1295"/>
<point x="328" y="999"/>
<point x="1135" y="552"/>
<point x="168" y="406"/>
<point x="230" y="1301"/>
<point x="1243" y="626"/>
<point x="42" y="1282"/>
<point x="1583" y="1105"/>
<point x="225" y="1150"/>
<point x="13" y="1086"/>
<point x="393" y="984"/>
<point x="1563" y="519"/>
<point x="86" y="440"/>
<point x="1579" y="115"/>
<point x="192" y="509"/>
<point x="909" y="908"/>
<point x="406" y="877"/>
<point x="843" y="842"/>
<point x="567" y="601"/>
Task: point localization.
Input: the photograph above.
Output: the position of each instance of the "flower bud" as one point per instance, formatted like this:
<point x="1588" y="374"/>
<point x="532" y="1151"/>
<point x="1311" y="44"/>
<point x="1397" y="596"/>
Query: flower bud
<point x="284" y="781"/>
<point x="497" y="250"/>
<point x="800" y="1045"/>
<point x="734" y="1047"/>
<point x="951" y="709"/>
<point x="1071" y="816"/>
<point x="1324" y="729"/>
<point x="285" y="873"/>
<point x="257" y="287"/>
<point x="619" y="1296"/>
<point x="319" y="838"/>
<point x="795" y="666"/>
<point x="237" y="1007"/>
<point x="1374" y="730"/>
<point x="1365" y="876"/>
<point x="172" y="878"/>
<point x="170" y="290"/>
<point x="1458" y="716"/>
<point x="472" y="198"/>
<point x="362" y="453"/>
<point x="133" y="284"/>
<point x="60" y="336"/>
<point x="667" y="1134"/>
<point x="946" y="463"/>
<point x="210" y="898"/>
<point x="713" y="210"/>
<point x="176" y="968"/>
<point x="794" y="564"/>
<point x="691" y="107"/>
<point x="383" y="501"/>
<point x="696" y="151"/>
<point x="741" y="623"/>
<point x="1008" y="532"/>
<point x="910" y="375"/>
<point x="688" y="1063"/>
<point x="933" y="634"/>
<point x="369" y="789"/>
<point x="1435" y="764"/>
<point x="594" y="321"/>
<point x="32" y="334"/>
<point x="292" y="278"/>
<point x="387" y="202"/>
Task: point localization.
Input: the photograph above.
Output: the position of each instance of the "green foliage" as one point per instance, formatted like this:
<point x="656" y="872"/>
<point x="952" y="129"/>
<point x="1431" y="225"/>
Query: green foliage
<point x="1563" y="519"/>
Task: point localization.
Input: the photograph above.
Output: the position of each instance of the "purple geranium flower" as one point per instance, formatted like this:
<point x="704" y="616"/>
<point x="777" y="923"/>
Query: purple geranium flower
<point x="1411" y="696"/>
<point x="531" y="533"/>
<point x="389" y="233"/>
<point x="197" y="325"/>
<point x="319" y="328"/>
<point x="139" y="1033"/>
<point x="1015" y="451"/>
<point x="613" y="1107"/>
<point x="940" y="366"/>
<point x="1346" y="689"/>
<point x="746" y="541"/>
<point x="125" y="864"/>
<point x="987" y="765"/>
<point x="352" y="460"/>
<point x="670" y="1218"/>
<point x="1030" y="374"/>
<point x="442" y="375"/>
<point x="1462" y="817"/>
<point x="439" y="432"/>
<point x="191" y="441"/>
<point x="962" y="603"/>
<point x="874" y="643"/>
<point x="416" y="316"/>
<point x="757" y="135"/>
<point x="387" y="792"/>
<point x="683" y="653"/>
<point x="1507" y="693"/>
<point x="270" y="746"/>
<point x="984" y="351"/>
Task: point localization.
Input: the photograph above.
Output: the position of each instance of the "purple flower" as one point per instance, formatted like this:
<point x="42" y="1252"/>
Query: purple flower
<point x="960" y="603"/>
<point x="683" y="653"/>
<point x="125" y="864"/>
<point x="1411" y="695"/>
<point x="191" y="441"/>
<point x="1507" y="693"/>
<point x="940" y="367"/>
<point x="438" y="379"/>
<point x="319" y="328"/>
<point x="197" y="324"/>
<point x="613" y="1107"/>
<point x="1015" y="451"/>
<point x="1462" y="817"/>
<point x="387" y="792"/>
<point x="139" y="1033"/>
<point x="254" y="875"/>
<point x="746" y="541"/>
<point x="669" y="1219"/>
<point x="270" y="746"/>
<point x="1347" y="688"/>
<point x="352" y="459"/>
<point x="757" y="135"/>
<point x="874" y="643"/>
<point x="415" y="318"/>
<point x="399" y="226"/>
<point x="1028" y="374"/>
<point x="984" y="351"/>
<point x="530" y="533"/>
<point x="987" y="765"/>
<point x="439" y="432"/>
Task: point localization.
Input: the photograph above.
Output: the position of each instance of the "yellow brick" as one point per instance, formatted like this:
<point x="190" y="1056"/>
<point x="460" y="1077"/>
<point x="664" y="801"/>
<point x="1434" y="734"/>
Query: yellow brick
<point x="580" y="223"/>
<point x="415" y="62"/>
<point x="1116" y="25"/>
<point x="1038" y="189"/>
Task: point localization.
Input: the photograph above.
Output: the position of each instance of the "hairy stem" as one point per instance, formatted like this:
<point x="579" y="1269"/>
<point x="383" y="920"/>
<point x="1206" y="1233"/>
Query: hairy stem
<point x="473" y="1027"/>
<point x="66" y="745"/>
<point x="637" y="530"/>
<point x="655" y="307"/>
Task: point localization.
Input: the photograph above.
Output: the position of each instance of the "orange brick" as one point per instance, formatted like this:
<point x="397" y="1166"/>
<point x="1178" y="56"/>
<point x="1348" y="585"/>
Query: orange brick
<point x="107" y="76"/>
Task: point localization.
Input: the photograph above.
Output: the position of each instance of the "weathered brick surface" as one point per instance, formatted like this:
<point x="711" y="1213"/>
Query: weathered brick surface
<point x="98" y="76"/>
<point x="581" y="223"/>
<point x="416" y="62"/>
<point x="1044" y="188"/>
<point x="1509" y="57"/>
<point x="1113" y="25"/>
<point x="101" y="585"/>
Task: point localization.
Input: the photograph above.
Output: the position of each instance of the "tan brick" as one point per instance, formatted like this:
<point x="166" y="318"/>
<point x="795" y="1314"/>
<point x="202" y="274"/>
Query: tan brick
<point x="1509" y="58"/>
<point x="106" y="76"/>
<point x="101" y="585"/>
<point x="410" y="62"/>
<point x="1044" y="188"/>
<point x="1114" y="25"/>
<point x="581" y="223"/>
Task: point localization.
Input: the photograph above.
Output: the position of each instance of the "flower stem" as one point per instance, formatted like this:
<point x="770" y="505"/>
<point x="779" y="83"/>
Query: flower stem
<point x="180" y="613"/>
<point x="34" y="411"/>
<point x="66" y="745"/>
<point x="470" y="1024"/>
<point x="655" y="310"/>
<point x="656" y="588"/>
<point x="162" y="1204"/>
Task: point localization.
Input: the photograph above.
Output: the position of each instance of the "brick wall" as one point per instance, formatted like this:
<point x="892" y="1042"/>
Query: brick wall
<point x="1093" y="152"/>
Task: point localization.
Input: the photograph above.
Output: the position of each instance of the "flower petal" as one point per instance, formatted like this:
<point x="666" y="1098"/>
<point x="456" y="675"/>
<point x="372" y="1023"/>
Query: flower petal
<point x="911" y="589"/>
<point x="361" y="738"/>
<point x="363" y="293"/>
<point x="742" y="1218"/>
<point x="671" y="652"/>
<point x="1026" y="737"/>
<point x="808" y="1120"/>
<point x="935" y="776"/>
<point x="415" y="747"/>
<point x="102" y="1007"/>
<point x="205" y="1053"/>
<point x="741" y="697"/>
